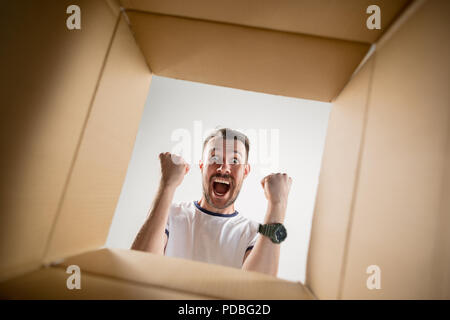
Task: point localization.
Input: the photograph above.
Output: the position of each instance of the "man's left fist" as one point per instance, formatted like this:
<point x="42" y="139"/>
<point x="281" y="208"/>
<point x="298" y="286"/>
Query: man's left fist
<point x="276" y="187"/>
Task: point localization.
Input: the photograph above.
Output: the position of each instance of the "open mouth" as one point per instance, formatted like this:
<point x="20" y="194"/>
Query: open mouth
<point x="221" y="186"/>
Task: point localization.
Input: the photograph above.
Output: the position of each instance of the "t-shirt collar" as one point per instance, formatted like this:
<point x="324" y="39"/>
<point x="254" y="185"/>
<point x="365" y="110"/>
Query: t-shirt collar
<point x="214" y="213"/>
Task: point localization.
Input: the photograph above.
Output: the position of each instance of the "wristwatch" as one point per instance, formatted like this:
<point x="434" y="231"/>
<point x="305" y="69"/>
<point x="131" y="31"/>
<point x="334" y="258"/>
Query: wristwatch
<point x="275" y="231"/>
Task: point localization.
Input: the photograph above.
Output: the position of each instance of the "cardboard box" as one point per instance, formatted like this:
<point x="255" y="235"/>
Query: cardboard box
<point x="72" y="101"/>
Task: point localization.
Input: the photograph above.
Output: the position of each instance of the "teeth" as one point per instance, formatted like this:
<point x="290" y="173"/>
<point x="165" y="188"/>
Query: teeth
<point x="221" y="181"/>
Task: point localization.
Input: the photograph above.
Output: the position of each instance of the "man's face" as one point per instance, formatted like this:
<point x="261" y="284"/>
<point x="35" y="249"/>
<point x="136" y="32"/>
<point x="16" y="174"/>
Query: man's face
<point x="223" y="170"/>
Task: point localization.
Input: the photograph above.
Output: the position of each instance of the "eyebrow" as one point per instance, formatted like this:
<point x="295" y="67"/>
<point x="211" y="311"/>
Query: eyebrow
<point x="236" y="151"/>
<point x="213" y="150"/>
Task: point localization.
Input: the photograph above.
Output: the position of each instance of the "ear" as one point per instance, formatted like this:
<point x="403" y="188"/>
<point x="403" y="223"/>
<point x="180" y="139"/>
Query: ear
<point x="200" y="164"/>
<point x="246" y="170"/>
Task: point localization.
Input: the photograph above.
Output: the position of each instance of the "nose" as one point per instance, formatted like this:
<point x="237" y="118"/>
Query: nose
<point x="224" y="168"/>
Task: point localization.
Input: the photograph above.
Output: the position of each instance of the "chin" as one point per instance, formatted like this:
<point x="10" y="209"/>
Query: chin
<point x="220" y="202"/>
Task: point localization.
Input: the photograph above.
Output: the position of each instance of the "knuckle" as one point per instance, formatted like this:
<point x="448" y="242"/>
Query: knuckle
<point x="164" y="155"/>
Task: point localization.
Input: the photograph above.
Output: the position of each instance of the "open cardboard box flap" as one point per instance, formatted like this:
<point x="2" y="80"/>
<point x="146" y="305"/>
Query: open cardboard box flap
<point x="190" y="279"/>
<point x="156" y="276"/>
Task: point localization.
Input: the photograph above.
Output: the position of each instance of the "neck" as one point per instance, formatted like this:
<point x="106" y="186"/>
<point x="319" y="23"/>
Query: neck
<point x="205" y="205"/>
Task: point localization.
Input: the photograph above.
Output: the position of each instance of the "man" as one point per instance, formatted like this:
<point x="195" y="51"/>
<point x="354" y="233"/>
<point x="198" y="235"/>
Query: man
<point x="210" y="230"/>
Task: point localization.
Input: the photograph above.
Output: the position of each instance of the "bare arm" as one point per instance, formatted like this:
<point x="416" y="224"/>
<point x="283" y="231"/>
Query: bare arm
<point x="265" y="255"/>
<point x="152" y="237"/>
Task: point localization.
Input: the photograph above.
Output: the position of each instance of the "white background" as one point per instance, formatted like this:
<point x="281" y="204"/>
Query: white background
<point x="174" y="105"/>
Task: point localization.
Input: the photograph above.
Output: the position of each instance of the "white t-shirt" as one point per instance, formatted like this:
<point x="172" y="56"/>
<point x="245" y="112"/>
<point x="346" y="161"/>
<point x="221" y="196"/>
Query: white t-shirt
<point x="198" y="234"/>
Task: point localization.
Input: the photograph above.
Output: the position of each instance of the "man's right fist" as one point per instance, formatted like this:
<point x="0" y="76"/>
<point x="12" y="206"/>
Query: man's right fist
<point x="173" y="169"/>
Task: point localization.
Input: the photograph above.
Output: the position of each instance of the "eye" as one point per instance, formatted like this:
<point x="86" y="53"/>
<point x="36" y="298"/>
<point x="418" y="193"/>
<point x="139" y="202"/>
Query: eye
<point x="214" y="159"/>
<point x="235" y="161"/>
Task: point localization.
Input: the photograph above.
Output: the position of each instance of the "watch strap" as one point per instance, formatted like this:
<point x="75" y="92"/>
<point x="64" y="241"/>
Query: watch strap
<point x="267" y="229"/>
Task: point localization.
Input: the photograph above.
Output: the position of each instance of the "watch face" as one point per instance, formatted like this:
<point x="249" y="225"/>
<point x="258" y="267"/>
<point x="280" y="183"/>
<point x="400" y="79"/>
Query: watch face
<point x="280" y="233"/>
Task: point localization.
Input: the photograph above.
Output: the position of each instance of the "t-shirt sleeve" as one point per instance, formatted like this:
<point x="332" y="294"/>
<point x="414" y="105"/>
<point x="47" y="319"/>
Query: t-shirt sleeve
<point x="167" y="226"/>
<point x="253" y="239"/>
<point x="167" y="231"/>
<point x="173" y="207"/>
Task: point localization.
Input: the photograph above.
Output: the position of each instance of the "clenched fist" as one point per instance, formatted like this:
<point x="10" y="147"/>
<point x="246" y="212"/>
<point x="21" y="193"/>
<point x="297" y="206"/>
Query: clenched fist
<point x="173" y="169"/>
<point x="276" y="187"/>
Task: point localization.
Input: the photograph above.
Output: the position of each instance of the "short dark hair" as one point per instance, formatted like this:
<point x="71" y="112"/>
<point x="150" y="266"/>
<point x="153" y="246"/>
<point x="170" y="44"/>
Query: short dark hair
<point x="229" y="134"/>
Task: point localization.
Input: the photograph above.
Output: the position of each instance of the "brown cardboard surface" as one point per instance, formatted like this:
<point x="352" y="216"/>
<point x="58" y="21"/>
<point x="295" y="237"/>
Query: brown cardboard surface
<point x="442" y="256"/>
<point x="186" y="276"/>
<point x="443" y="252"/>
<point x="114" y="5"/>
<point x="72" y="104"/>
<point x="50" y="284"/>
<point x="326" y="18"/>
<point x="338" y="176"/>
<point x="246" y="58"/>
<point x="400" y="186"/>
<point x="105" y="148"/>
<point x="49" y="76"/>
